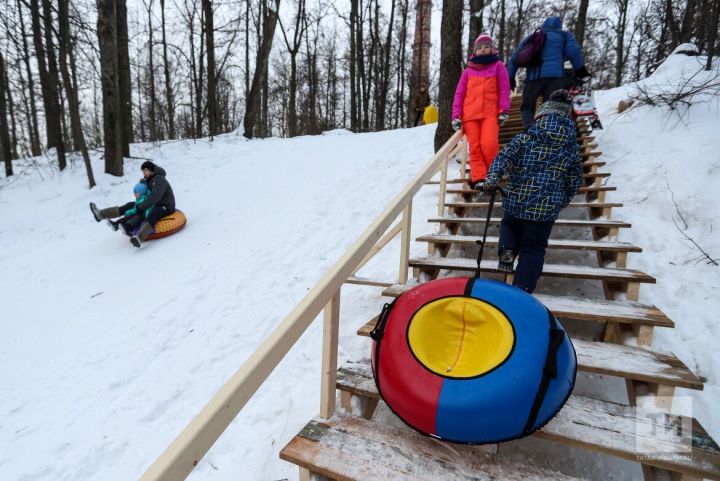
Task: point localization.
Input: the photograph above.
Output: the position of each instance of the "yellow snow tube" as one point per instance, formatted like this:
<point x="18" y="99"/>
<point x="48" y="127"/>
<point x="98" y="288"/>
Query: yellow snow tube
<point x="169" y="224"/>
<point x="431" y="115"/>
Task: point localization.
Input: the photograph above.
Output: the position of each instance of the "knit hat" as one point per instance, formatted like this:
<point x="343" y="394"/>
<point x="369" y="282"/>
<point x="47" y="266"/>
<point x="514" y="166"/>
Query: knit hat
<point x="148" y="165"/>
<point x="484" y="39"/>
<point x="557" y="103"/>
<point x="140" y="188"/>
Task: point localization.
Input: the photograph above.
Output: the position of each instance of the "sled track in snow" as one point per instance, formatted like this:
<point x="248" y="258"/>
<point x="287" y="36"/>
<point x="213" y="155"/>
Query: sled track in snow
<point x="612" y="333"/>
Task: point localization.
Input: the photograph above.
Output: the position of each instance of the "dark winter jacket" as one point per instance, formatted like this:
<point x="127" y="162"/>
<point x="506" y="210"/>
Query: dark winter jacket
<point x="543" y="167"/>
<point x="559" y="45"/>
<point x="161" y="194"/>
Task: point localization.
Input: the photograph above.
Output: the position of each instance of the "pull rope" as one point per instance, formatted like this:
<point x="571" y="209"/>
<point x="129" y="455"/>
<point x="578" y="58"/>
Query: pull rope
<point x="487" y="224"/>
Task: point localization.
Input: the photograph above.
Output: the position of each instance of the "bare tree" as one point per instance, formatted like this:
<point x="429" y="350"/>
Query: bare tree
<point x="261" y="68"/>
<point x="211" y="71"/>
<point x="112" y="109"/>
<point x="33" y="124"/>
<point x="168" y="84"/>
<point x="420" y="72"/>
<point x="581" y="22"/>
<point x="450" y="67"/>
<point x="48" y="81"/>
<point x="124" y="81"/>
<point x="5" y="149"/>
<point x="384" y="81"/>
<point x="70" y="83"/>
<point x="293" y="49"/>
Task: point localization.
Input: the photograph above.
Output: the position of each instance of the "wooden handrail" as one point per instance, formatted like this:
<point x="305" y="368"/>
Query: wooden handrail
<point x="179" y="459"/>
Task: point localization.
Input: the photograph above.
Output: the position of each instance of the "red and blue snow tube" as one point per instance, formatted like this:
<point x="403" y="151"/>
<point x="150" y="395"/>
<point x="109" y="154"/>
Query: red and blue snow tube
<point x="472" y="360"/>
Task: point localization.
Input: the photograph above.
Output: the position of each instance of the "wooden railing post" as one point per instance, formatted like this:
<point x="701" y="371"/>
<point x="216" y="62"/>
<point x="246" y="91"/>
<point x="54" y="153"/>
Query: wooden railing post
<point x="405" y="243"/>
<point x="463" y="163"/>
<point x="331" y="328"/>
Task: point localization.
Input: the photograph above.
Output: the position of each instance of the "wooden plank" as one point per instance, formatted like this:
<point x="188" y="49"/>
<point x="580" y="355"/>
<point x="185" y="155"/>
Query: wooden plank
<point x="581" y="190"/>
<point x="405" y="243"/>
<point x="331" y="327"/>
<point x="584" y="245"/>
<point x="549" y="270"/>
<point x="465" y="181"/>
<point x="627" y="362"/>
<point x="582" y="309"/>
<point x="352" y="448"/>
<point x="622" y="431"/>
<point x="485" y="205"/>
<point x="363" y="281"/>
<point x="558" y="223"/>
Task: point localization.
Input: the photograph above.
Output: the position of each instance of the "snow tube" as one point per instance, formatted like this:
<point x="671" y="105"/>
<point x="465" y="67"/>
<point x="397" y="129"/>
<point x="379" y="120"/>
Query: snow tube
<point x="472" y="360"/>
<point x="168" y="225"/>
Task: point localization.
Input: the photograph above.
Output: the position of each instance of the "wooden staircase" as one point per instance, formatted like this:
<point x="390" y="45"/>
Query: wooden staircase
<point x="354" y="447"/>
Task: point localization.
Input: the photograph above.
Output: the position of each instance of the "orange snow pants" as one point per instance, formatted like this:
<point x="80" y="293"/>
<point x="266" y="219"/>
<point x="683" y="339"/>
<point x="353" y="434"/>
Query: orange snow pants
<point x="482" y="138"/>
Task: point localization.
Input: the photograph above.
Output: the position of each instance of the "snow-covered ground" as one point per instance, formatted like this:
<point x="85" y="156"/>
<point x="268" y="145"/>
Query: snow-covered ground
<point x="108" y="351"/>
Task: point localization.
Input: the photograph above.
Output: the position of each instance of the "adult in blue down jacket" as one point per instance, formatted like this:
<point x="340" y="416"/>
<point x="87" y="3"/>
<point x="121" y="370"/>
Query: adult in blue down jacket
<point x="548" y="76"/>
<point x="544" y="174"/>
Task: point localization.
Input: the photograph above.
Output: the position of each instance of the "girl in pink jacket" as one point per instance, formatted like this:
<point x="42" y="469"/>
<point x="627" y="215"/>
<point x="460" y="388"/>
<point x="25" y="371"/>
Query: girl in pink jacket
<point x="481" y="105"/>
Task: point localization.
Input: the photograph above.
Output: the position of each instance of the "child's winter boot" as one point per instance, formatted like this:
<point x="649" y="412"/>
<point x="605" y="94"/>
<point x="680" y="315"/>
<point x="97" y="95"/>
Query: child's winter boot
<point x="138" y="239"/>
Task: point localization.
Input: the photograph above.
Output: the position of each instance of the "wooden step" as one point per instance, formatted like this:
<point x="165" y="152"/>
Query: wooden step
<point x="607" y="223"/>
<point x="581" y="190"/>
<point x="485" y="205"/>
<point x="581" y="309"/>
<point x="583" y="245"/>
<point x="602" y="426"/>
<point x="465" y="181"/>
<point x="549" y="270"/>
<point x="355" y="449"/>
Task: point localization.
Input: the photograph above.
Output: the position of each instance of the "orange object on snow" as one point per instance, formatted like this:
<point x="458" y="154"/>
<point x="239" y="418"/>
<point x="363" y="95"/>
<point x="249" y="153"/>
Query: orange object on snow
<point x="169" y="225"/>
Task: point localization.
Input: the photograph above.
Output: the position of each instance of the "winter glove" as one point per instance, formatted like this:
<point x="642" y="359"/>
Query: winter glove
<point x="582" y="75"/>
<point x="489" y="187"/>
<point x="502" y="118"/>
<point x="456" y="124"/>
<point x="512" y="84"/>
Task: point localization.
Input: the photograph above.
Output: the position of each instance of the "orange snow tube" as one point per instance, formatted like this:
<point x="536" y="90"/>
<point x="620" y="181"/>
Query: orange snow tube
<point x="169" y="225"/>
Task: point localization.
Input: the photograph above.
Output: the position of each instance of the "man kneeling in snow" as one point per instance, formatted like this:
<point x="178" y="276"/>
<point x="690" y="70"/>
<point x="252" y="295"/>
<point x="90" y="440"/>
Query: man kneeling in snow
<point x="159" y="203"/>
<point x="544" y="174"/>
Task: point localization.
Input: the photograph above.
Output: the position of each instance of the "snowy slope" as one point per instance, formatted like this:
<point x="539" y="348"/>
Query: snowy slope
<point x="666" y="165"/>
<point x="108" y="351"/>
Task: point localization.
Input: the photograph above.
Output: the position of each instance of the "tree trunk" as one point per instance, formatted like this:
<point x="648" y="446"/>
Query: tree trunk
<point x="168" y="84"/>
<point x="353" y="59"/>
<point x="53" y="127"/>
<point x="450" y="67"/>
<point x="360" y="81"/>
<point x="211" y="72"/>
<point x="620" y="45"/>
<point x="400" y="96"/>
<point x="154" y="134"/>
<point x="476" y="21"/>
<point x="112" y="109"/>
<point x="712" y="31"/>
<point x="501" y="42"/>
<point x="581" y="22"/>
<point x="124" y="80"/>
<point x="70" y="82"/>
<point x="381" y="96"/>
<point x="34" y="130"/>
<point x="293" y="50"/>
<point x="5" y="150"/>
<point x="420" y="71"/>
<point x="261" y="67"/>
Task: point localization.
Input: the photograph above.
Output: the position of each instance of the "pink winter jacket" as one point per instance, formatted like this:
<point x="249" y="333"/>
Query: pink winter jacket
<point x="483" y="91"/>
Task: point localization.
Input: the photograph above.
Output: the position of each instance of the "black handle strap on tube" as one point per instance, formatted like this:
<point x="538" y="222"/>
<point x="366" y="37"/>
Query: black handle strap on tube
<point x="487" y="224"/>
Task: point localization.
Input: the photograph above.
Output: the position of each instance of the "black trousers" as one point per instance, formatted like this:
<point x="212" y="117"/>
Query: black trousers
<point x="538" y="88"/>
<point x="528" y="239"/>
<point x="157" y="213"/>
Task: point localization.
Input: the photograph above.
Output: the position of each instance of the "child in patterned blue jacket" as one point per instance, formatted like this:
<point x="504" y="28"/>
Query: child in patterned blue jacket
<point x="544" y="174"/>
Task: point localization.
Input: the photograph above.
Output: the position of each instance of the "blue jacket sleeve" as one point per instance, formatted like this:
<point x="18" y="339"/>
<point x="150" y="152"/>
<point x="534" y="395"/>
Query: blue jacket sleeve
<point x="572" y="51"/>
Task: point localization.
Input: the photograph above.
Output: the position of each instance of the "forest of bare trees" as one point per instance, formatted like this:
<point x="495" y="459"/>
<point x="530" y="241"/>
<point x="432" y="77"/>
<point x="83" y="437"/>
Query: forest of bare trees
<point x="90" y="77"/>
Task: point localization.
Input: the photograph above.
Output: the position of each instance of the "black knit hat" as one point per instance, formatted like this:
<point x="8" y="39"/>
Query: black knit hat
<point x="560" y="95"/>
<point x="148" y="165"/>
